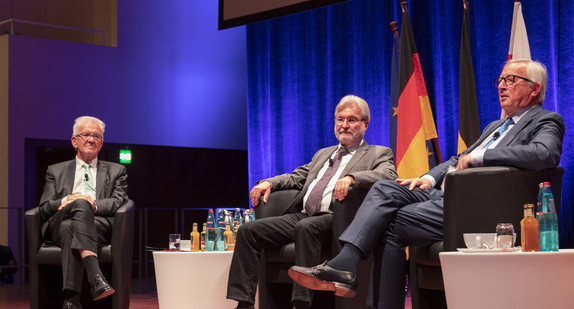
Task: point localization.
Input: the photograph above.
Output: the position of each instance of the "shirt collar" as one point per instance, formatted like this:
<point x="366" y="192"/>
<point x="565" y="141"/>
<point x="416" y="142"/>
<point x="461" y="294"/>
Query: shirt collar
<point x="352" y="148"/>
<point x="521" y="113"/>
<point x="80" y="163"/>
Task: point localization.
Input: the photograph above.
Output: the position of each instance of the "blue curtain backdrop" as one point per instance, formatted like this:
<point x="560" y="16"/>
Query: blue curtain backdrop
<point x="300" y="65"/>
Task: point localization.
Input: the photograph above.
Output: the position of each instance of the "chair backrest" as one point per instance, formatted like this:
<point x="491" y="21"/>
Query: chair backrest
<point x="476" y="199"/>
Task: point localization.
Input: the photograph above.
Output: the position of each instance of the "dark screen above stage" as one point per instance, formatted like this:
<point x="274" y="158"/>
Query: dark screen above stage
<point x="234" y="13"/>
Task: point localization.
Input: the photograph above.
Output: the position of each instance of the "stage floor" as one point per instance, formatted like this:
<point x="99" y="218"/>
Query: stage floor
<point x="143" y="295"/>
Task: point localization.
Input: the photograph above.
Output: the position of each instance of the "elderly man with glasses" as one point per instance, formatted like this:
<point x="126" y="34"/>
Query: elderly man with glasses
<point x="308" y="219"/>
<point x="396" y="214"/>
<point x="79" y="198"/>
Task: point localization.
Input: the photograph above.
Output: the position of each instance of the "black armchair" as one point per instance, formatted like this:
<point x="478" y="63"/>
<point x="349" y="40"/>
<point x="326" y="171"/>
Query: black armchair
<point x="115" y="260"/>
<point x="475" y="200"/>
<point x="274" y="283"/>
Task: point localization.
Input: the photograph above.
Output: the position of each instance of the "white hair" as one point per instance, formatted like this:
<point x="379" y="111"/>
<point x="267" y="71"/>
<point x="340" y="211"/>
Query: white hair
<point x="88" y="119"/>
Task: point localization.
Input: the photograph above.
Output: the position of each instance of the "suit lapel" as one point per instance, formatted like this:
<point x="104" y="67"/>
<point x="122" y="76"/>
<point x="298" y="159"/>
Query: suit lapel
<point x="359" y="154"/>
<point x="70" y="176"/>
<point x="486" y="134"/>
<point x="100" y="179"/>
<point x="522" y="123"/>
<point x="321" y="159"/>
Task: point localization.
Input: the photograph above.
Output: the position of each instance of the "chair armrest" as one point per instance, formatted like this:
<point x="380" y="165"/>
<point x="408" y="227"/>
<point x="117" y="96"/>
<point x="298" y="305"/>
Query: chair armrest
<point x="476" y="199"/>
<point x="122" y="252"/>
<point x="122" y="231"/>
<point x="344" y="212"/>
<point x="34" y="223"/>
<point x="277" y="203"/>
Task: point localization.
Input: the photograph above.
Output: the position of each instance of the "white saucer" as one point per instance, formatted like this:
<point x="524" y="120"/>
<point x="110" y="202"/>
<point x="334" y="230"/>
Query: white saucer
<point x="467" y="250"/>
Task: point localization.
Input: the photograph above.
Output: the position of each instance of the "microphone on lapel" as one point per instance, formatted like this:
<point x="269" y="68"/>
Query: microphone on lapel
<point x="86" y="177"/>
<point x="496" y="135"/>
<point x="330" y="162"/>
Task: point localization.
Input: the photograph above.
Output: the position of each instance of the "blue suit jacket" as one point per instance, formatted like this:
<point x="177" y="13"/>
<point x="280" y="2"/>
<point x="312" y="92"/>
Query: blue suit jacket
<point x="534" y="143"/>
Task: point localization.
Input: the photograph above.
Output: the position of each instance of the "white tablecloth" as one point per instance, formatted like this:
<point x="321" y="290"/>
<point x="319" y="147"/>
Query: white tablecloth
<point x="192" y="279"/>
<point x="509" y="279"/>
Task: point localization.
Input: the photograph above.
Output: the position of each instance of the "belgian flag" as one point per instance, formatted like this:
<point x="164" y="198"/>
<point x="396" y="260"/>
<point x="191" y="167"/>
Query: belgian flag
<point x="468" y="119"/>
<point x="417" y="144"/>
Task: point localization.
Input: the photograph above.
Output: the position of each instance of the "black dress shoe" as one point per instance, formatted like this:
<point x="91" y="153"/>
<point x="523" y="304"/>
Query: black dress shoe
<point x="69" y="305"/>
<point x="101" y="288"/>
<point x="325" y="278"/>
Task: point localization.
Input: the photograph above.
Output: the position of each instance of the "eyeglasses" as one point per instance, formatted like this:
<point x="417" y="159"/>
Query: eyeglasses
<point x="509" y="80"/>
<point x="350" y="121"/>
<point x="86" y="136"/>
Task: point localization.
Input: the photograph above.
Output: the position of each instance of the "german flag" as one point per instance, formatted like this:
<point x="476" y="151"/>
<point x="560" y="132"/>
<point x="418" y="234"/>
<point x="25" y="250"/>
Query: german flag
<point x="394" y="100"/>
<point x="468" y="119"/>
<point x="417" y="145"/>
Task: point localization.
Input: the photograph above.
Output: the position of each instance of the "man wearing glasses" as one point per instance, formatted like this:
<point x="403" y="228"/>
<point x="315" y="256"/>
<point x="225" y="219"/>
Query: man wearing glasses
<point x="308" y="219"/>
<point x="78" y="200"/>
<point x="396" y="214"/>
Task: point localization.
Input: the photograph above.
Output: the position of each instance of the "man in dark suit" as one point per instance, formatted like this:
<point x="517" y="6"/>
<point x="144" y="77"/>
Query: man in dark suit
<point x="308" y="220"/>
<point x="78" y="209"/>
<point x="396" y="214"/>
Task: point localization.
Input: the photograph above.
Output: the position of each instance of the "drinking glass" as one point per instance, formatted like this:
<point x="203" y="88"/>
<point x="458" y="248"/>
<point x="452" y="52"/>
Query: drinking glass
<point x="504" y="235"/>
<point x="174" y="240"/>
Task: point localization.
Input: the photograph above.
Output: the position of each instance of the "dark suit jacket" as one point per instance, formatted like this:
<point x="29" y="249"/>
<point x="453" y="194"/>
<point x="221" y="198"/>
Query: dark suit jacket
<point x="534" y="143"/>
<point x="368" y="165"/>
<point x="110" y="187"/>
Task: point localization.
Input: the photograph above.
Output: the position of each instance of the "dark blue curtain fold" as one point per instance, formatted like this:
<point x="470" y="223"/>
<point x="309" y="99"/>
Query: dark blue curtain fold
<point x="300" y="65"/>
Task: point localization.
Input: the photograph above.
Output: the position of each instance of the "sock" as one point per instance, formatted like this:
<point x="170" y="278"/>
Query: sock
<point x="92" y="267"/>
<point x="244" y="304"/>
<point x="348" y="259"/>
<point x="73" y="297"/>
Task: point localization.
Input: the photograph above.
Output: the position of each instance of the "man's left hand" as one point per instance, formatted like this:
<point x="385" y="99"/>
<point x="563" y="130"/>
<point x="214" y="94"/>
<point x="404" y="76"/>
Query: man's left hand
<point x="342" y="187"/>
<point x="463" y="162"/>
<point x="76" y="196"/>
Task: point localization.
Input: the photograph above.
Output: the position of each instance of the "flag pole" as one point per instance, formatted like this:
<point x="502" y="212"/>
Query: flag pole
<point x="404" y="6"/>
<point x="395" y="28"/>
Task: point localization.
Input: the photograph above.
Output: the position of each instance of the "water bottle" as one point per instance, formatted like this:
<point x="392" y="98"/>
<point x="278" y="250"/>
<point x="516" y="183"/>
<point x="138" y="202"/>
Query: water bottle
<point x="210" y="235"/>
<point x="220" y="240"/>
<point x="547" y="218"/>
<point x="228" y="217"/>
<point x="246" y="215"/>
<point x="251" y="214"/>
<point x="237" y="220"/>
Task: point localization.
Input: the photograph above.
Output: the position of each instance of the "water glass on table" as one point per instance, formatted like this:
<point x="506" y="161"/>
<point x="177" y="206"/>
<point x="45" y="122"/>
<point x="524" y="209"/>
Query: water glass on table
<point x="504" y="236"/>
<point x="174" y="242"/>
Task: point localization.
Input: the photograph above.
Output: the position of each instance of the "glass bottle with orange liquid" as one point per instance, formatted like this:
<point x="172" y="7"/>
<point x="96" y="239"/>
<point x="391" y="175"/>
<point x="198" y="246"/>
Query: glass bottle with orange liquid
<point x="529" y="230"/>
<point x="228" y="238"/>
<point x="194" y="236"/>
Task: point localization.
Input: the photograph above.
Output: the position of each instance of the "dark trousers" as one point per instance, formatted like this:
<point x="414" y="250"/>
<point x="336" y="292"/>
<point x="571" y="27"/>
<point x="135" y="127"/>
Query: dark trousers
<point x="392" y="217"/>
<point x="72" y="228"/>
<point x="308" y="234"/>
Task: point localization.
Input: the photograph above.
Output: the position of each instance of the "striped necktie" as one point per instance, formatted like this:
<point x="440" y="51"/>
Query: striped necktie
<point x="313" y="204"/>
<point x="499" y="132"/>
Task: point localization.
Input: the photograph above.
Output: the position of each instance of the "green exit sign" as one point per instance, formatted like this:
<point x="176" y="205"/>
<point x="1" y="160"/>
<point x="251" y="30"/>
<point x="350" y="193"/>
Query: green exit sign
<point x="125" y="156"/>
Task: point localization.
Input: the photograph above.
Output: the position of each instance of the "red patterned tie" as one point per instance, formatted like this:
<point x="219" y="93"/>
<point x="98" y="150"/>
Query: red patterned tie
<point x="313" y="203"/>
